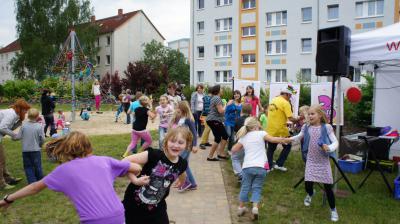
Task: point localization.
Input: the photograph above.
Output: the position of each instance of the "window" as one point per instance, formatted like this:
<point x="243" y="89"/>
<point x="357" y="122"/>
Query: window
<point x="200" y="4"/>
<point x="98" y="59"/>
<point x="249" y="4"/>
<point x="277" y="18"/>
<point x="269" y="75"/>
<point x="333" y="12"/>
<point x="357" y="75"/>
<point x="223" y="50"/>
<point x="248" y="58"/>
<point x="280" y="75"/>
<point x="306" y="45"/>
<point x="108" y="59"/>
<point x="223" y="24"/>
<point x="223" y="76"/>
<point x="200" y="52"/>
<point x="224" y="2"/>
<point x="306" y="74"/>
<point x="200" y="27"/>
<point x="200" y="76"/>
<point x="276" y="47"/>
<point x="369" y="8"/>
<point x="306" y="14"/>
<point x="249" y="31"/>
<point x="108" y="40"/>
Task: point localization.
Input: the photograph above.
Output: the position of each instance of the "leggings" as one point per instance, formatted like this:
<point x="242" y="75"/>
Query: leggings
<point x="97" y="100"/>
<point x="135" y="135"/>
<point x="328" y="191"/>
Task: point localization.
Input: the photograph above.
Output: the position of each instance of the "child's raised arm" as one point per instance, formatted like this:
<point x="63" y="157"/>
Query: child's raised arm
<point x="300" y="136"/>
<point x="278" y="140"/>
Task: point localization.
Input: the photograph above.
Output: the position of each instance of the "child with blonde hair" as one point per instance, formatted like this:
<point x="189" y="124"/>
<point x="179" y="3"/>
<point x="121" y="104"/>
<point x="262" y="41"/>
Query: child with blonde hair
<point x="184" y="117"/>
<point x="139" y="131"/>
<point x="318" y="141"/>
<point x="165" y="112"/>
<point x="252" y="141"/>
<point x="87" y="180"/>
<point x="144" y="199"/>
<point x="32" y="136"/>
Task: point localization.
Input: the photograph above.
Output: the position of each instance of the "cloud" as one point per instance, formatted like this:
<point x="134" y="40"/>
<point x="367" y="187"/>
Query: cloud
<point x="171" y="17"/>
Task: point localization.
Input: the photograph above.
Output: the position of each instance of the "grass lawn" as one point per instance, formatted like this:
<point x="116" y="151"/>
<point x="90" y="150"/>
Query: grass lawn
<point x="49" y="206"/>
<point x="283" y="204"/>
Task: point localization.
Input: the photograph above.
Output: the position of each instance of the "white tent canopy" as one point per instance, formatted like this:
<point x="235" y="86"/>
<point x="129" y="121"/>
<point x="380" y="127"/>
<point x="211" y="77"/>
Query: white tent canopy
<point x="381" y="47"/>
<point x="377" y="45"/>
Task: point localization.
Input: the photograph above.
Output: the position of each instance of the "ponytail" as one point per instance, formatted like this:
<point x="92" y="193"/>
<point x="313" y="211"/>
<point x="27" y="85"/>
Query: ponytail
<point x="250" y="124"/>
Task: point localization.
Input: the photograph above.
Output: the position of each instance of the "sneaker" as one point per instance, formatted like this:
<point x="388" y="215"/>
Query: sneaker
<point x="208" y="144"/>
<point x="202" y="146"/>
<point x="14" y="181"/>
<point x="307" y="200"/>
<point x="241" y="211"/>
<point x="334" y="216"/>
<point x="212" y="159"/>
<point x="281" y="168"/>
<point x="184" y="187"/>
<point x="7" y="187"/>
<point x="254" y="211"/>
<point x="192" y="188"/>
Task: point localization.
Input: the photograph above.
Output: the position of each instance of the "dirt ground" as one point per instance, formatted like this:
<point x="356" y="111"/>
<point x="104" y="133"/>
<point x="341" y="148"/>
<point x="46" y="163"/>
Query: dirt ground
<point x="104" y="124"/>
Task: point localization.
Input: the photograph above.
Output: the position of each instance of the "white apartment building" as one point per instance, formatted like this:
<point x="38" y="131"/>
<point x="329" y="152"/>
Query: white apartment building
<point x="270" y="40"/>
<point x="7" y="53"/>
<point x="122" y="39"/>
<point x="181" y="45"/>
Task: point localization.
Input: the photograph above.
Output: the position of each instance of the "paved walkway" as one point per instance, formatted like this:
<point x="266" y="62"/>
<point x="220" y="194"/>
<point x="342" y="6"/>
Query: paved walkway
<point x="206" y="205"/>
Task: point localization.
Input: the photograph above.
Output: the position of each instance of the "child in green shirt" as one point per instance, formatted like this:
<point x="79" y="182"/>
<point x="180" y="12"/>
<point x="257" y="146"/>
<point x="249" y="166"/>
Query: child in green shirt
<point x="264" y="118"/>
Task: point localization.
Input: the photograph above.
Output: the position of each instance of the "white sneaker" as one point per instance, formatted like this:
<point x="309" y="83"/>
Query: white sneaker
<point x="307" y="200"/>
<point x="281" y="168"/>
<point x="254" y="211"/>
<point x="241" y="211"/>
<point x="334" y="216"/>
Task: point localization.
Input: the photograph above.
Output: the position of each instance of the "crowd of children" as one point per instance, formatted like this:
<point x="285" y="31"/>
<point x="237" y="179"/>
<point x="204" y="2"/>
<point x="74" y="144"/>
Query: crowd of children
<point x="236" y="123"/>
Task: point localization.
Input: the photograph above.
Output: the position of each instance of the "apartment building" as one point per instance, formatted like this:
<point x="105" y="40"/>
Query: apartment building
<point x="181" y="45"/>
<point x="122" y="39"/>
<point x="7" y="53"/>
<point x="272" y="41"/>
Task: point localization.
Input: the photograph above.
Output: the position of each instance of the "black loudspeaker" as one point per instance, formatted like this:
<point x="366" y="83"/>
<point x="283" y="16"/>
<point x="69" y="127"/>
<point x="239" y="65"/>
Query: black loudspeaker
<point x="333" y="51"/>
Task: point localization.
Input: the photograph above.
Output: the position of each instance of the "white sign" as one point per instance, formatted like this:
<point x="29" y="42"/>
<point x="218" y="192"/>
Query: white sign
<point x="241" y="85"/>
<point x="275" y="90"/>
<point x="321" y="94"/>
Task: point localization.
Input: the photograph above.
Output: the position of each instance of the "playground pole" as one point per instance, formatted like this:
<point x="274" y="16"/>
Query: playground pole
<point x="72" y="38"/>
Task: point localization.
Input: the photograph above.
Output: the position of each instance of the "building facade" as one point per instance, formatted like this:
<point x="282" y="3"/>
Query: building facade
<point x="181" y="45"/>
<point x="7" y="53"/>
<point x="272" y="41"/>
<point x="122" y="39"/>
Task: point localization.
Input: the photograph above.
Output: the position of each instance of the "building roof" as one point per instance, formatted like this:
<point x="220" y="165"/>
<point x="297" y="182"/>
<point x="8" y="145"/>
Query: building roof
<point x="110" y="24"/>
<point x="14" y="46"/>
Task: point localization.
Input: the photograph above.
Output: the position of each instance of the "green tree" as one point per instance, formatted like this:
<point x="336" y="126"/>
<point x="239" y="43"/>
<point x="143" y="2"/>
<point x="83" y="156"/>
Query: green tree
<point x="42" y="27"/>
<point x="160" y="57"/>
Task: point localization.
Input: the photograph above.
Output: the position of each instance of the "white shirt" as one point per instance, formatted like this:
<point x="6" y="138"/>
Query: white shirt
<point x="199" y="106"/>
<point x="254" y="149"/>
<point x="96" y="90"/>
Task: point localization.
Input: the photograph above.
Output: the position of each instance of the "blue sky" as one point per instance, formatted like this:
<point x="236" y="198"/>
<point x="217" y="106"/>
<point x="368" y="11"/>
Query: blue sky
<point x="171" y="17"/>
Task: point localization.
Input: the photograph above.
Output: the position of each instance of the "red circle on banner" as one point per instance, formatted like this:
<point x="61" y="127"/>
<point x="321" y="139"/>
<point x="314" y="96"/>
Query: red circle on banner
<point x="69" y="55"/>
<point x="354" y="94"/>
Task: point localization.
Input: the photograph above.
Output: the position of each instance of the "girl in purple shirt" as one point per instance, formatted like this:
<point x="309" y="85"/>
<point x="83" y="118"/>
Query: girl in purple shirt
<point x="87" y="180"/>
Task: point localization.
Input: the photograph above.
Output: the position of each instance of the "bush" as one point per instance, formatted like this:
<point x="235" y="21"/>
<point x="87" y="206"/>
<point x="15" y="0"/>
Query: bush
<point x="20" y="89"/>
<point x="264" y="96"/>
<point x="305" y="95"/>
